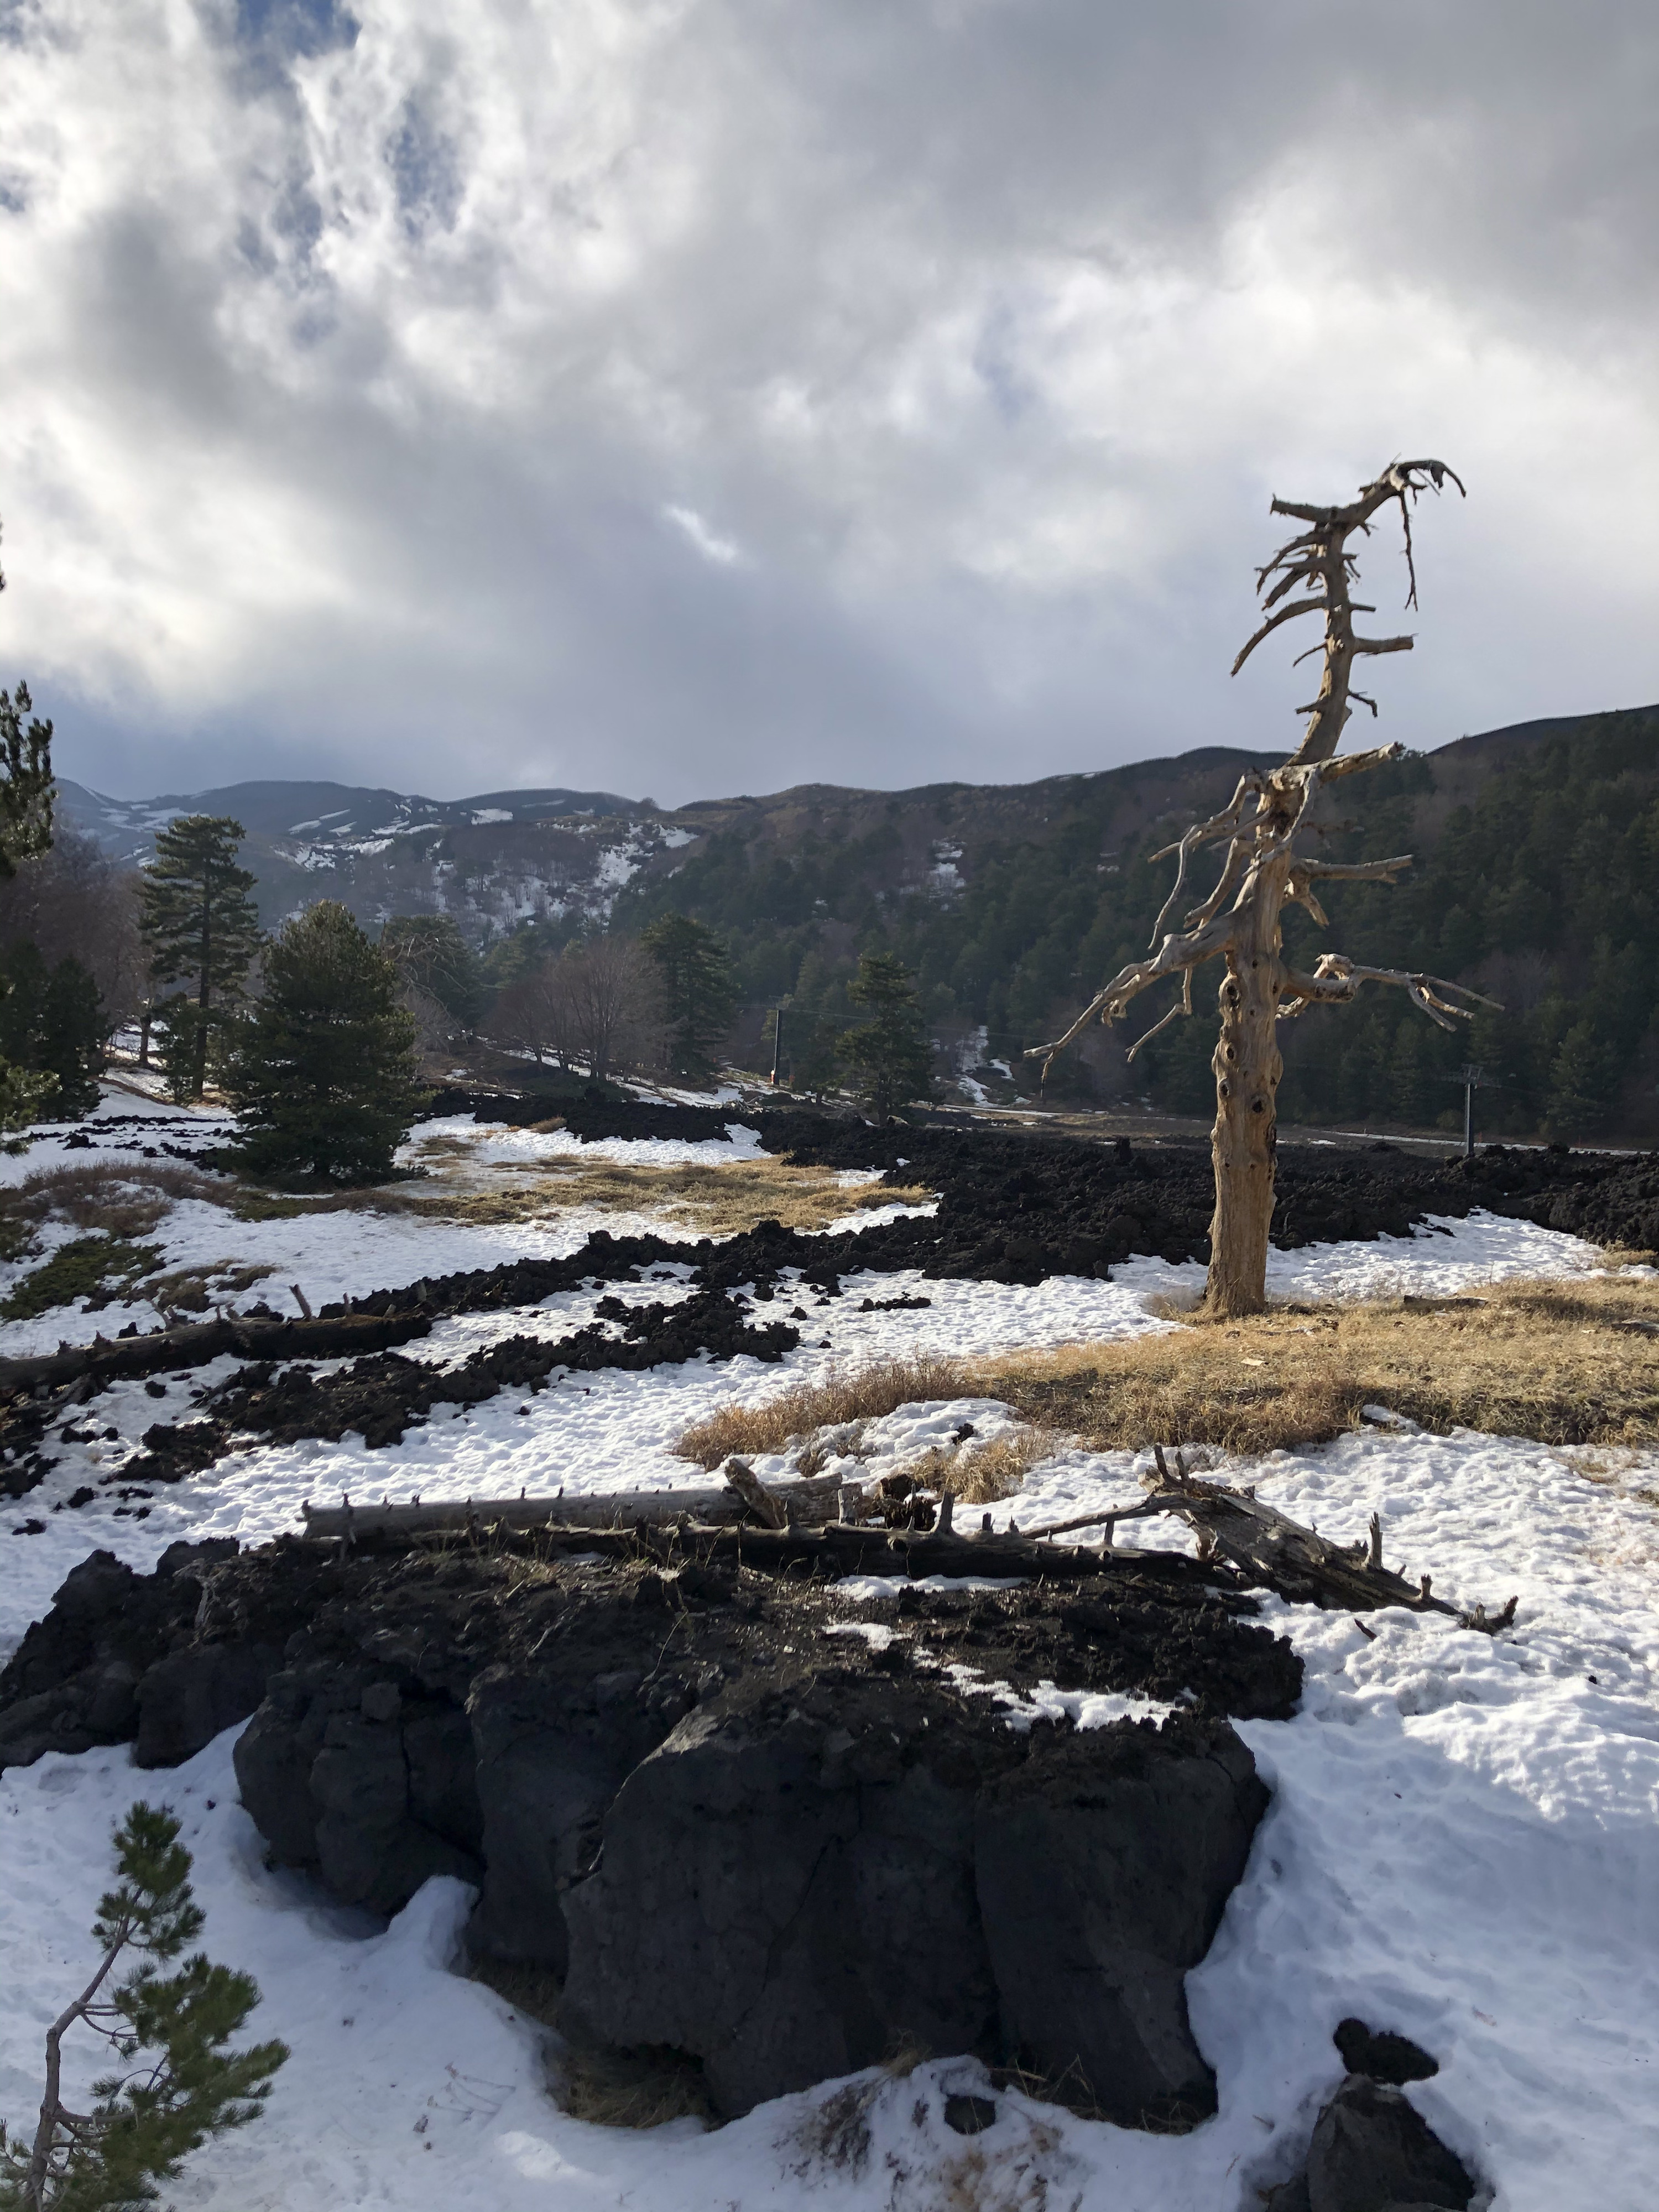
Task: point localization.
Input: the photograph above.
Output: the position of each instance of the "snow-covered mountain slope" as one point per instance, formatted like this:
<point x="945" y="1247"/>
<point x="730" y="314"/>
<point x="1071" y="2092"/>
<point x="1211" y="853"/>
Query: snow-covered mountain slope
<point x="491" y="860"/>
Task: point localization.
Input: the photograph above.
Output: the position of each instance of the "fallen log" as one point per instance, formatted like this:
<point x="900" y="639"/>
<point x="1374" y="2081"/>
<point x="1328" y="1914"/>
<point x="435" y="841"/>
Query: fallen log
<point x="827" y="1551"/>
<point x="813" y="1500"/>
<point x="778" y="1526"/>
<point x="192" y="1344"/>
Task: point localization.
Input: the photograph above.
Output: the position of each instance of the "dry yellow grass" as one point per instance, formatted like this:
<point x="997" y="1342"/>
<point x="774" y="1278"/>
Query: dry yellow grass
<point x="631" y="2089"/>
<point x="717" y="1200"/>
<point x="1567" y="1361"/>
<point x="124" y="1199"/>
<point x="193" y="1290"/>
<point x="845" y="1396"/>
<point x="1549" y="1359"/>
<point x="610" y="2089"/>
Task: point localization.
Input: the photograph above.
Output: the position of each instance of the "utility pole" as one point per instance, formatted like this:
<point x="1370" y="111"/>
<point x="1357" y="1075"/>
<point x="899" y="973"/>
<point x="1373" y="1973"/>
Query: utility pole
<point x="777" y="1041"/>
<point x="1470" y="1077"/>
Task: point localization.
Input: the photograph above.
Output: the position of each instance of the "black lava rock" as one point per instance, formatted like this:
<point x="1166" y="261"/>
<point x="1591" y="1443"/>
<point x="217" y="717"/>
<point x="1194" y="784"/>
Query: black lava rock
<point x="1372" y="2150"/>
<point x="1102" y="1865"/>
<point x="1382" y="2056"/>
<point x="729" y="1830"/>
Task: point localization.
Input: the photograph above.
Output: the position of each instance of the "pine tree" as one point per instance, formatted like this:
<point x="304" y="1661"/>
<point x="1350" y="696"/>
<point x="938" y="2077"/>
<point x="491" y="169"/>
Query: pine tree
<point x="27" y="789"/>
<point x="199" y="928"/>
<point x="323" y="1074"/>
<point x="26" y="796"/>
<point x="1584" y="1080"/>
<point x="700" y="998"/>
<point x="52" y="1024"/>
<point x="891" y="1057"/>
<point x="176" y="2084"/>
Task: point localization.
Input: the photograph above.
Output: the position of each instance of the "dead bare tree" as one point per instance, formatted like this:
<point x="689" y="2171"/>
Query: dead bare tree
<point x="537" y="1012"/>
<point x="1262" y="871"/>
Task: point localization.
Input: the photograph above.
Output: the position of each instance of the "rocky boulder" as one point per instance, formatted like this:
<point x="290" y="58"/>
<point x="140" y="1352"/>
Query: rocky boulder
<point x="735" y="1814"/>
<point x="788" y="1888"/>
<point x="118" y="1658"/>
<point x="1372" y="2150"/>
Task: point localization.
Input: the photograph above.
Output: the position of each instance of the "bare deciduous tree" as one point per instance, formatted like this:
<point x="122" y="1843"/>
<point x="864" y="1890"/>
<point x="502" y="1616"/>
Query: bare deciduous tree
<point x="610" y="988"/>
<point x="594" y="1004"/>
<point x="74" y="903"/>
<point x="1239" y="921"/>
<point x="534" y="1013"/>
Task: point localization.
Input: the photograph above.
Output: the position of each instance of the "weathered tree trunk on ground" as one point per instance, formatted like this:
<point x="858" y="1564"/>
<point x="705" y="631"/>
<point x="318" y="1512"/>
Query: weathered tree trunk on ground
<point x="1241" y="920"/>
<point x="786" y="1528"/>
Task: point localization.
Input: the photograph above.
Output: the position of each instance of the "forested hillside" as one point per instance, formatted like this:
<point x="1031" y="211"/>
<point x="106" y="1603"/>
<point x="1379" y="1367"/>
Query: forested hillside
<point x="1537" y="856"/>
<point x="1536" y="875"/>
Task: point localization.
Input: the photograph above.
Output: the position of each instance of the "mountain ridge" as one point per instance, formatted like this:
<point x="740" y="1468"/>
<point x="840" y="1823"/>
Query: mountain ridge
<point x="1536" y="845"/>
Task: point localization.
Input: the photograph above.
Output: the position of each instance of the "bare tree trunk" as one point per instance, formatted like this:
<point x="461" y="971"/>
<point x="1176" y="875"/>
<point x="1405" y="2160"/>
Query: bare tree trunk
<point x="1244" y="1142"/>
<point x="52" y="2115"/>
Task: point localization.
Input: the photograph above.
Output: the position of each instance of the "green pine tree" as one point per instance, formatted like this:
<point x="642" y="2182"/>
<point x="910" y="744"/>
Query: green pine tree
<point x="52" y="1023"/>
<point x="175" y="2084"/>
<point x="26" y="790"/>
<point x="428" y="951"/>
<point x="700" y="998"/>
<point x="199" y="928"/>
<point x="889" y="1055"/>
<point x="1584" y="1080"/>
<point x="324" y="1075"/>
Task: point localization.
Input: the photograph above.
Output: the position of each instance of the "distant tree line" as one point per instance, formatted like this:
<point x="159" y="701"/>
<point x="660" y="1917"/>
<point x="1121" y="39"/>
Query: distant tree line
<point x="1542" y="891"/>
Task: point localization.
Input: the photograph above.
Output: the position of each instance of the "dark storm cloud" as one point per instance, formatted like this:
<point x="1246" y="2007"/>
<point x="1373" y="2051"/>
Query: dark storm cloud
<point x="712" y="396"/>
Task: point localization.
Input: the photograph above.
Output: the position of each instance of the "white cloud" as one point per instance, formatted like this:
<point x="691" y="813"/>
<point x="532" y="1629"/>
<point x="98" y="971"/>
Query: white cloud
<point x="353" y="362"/>
<point x="720" y="550"/>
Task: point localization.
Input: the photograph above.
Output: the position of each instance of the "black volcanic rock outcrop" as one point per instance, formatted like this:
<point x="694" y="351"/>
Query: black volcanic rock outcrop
<point x="733" y="1815"/>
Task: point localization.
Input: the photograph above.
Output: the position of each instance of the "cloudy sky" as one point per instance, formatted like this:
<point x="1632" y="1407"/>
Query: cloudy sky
<point x="695" y="396"/>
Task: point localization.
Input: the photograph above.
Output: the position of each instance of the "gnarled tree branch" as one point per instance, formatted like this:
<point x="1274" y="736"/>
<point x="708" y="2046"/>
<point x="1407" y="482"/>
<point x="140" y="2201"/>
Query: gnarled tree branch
<point x="1336" y="981"/>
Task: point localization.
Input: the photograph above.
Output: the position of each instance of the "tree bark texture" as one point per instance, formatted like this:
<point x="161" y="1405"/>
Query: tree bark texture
<point x="1244" y="1142"/>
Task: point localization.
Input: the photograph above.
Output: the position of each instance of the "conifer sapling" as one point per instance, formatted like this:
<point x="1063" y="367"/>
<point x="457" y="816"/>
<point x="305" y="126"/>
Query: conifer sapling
<point x="175" y="2083"/>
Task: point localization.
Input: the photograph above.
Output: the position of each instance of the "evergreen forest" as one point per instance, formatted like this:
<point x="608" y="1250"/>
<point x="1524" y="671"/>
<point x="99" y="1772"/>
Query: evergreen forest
<point x="1540" y="888"/>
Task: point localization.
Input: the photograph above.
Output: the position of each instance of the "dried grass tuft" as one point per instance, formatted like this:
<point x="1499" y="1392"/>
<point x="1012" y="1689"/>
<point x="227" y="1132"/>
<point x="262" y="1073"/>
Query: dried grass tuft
<point x="844" y="1397"/>
<point x="631" y="2089"/>
<point x="981" y="1474"/>
<point x="123" y="1199"/>
<point x="1572" y="1361"/>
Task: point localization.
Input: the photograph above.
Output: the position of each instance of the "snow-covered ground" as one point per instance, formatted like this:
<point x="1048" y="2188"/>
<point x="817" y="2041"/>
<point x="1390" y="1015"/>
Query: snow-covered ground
<point x="1462" y="1844"/>
<point x="346" y="1254"/>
